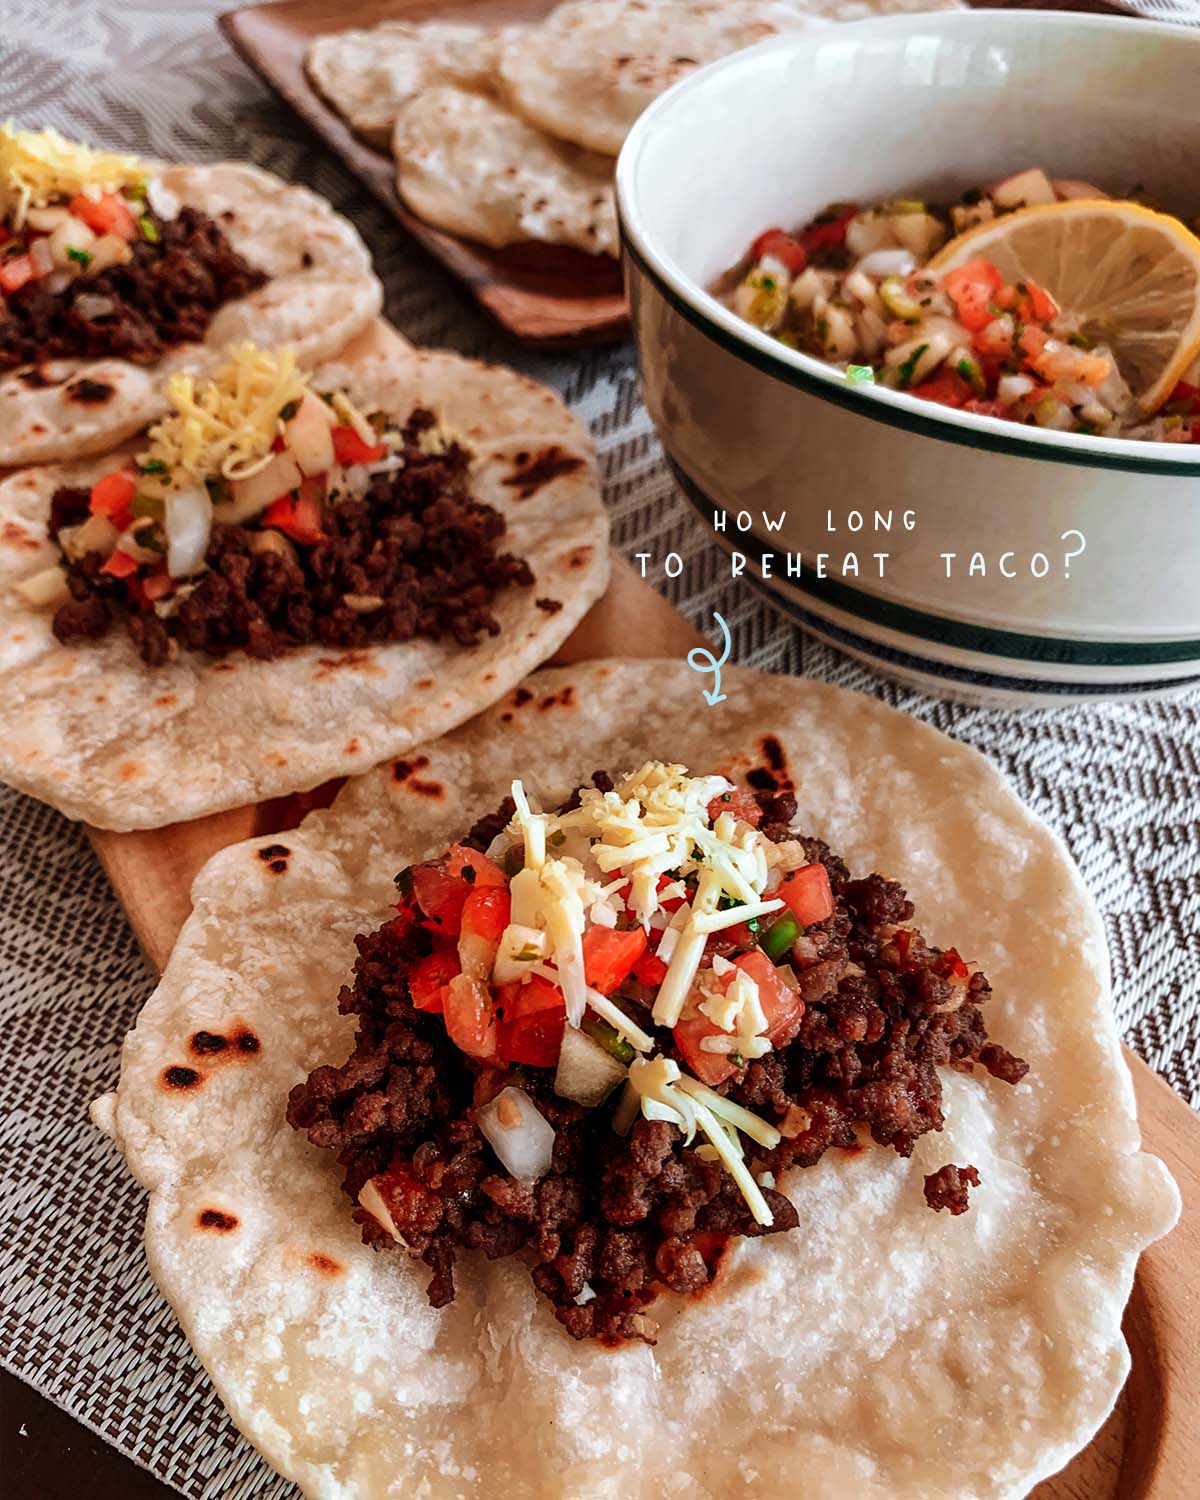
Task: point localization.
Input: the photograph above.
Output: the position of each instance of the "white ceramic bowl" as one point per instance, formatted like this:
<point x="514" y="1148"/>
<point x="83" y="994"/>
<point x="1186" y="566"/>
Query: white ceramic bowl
<point x="928" y="105"/>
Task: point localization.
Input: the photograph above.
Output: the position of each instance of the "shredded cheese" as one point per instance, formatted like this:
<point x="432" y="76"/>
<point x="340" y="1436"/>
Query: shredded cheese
<point x="665" y="1093"/>
<point x="226" y="425"/>
<point x="647" y="841"/>
<point x="40" y="167"/>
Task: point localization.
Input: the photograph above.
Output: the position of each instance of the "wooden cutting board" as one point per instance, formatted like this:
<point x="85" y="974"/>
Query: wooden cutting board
<point x="1146" y="1451"/>
<point x="551" y="296"/>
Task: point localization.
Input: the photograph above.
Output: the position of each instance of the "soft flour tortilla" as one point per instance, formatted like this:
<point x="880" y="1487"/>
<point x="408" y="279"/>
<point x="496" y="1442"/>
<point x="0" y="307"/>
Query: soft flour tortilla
<point x="322" y="292"/>
<point x="91" y="729"/>
<point x="590" y="69"/>
<point x="879" y="1351"/>
<point x="369" y="76"/>
<point x="470" y="165"/>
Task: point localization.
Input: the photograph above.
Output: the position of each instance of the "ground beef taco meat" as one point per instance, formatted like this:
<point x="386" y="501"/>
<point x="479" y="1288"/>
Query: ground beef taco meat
<point x="324" y="527"/>
<point x="181" y="272"/>
<point x="855" y="1014"/>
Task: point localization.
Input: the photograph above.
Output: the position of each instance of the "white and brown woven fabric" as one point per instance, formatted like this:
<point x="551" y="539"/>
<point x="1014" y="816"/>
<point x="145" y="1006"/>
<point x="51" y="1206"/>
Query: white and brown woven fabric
<point x="79" y="1317"/>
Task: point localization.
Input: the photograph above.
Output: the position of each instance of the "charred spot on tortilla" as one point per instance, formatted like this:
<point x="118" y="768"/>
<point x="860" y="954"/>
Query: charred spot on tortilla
<point x="531" y="472"/>
<point x="16" y="536"/>
<point x="776" y="758"/>
<point x="549" y="606"/>
<point x="246" y="1042"/>
<point x="579" y="558"/>
<point x="564" y="698"/>
<point x="275" y="857"/>
<point x="323" y="1263"/>
<point x="208" y="1043"/>
<point x="216" y="1218"/>
<point x="36" y="378"/>
<point x="521" y="697"/>
<point x="180" y="1078"/>
<point x="606" y="1061"/>
<point x="404" y="773"/>
<point x="87" y="392"/>
<point x="352" y="747"/>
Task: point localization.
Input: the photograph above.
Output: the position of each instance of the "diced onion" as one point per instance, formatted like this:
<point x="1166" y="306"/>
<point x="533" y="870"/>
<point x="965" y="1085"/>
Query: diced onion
<point x="45" y="589"/>
<point x="42" y="257"/>
<point x="254" y="492"/>
<point x="887" y="263"/>
<point x="189" y="517"/>
<point x="93" y="305"/>
<point x="308" y="437"/>
<point x="586" y="1073"/>
<point x="518" y="1133"/>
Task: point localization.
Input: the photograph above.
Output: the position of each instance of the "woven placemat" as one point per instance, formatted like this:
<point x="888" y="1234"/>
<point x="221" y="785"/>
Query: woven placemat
<point x="79" y="1318"/>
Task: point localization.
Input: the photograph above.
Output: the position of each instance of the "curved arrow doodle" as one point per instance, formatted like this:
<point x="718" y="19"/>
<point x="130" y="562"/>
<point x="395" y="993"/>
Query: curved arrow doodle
<point x="701" y="660"/>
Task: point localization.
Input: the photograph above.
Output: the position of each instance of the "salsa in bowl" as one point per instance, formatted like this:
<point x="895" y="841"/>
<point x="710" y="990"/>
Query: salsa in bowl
<point x="1042" y="301"/>
<point x="976" y="596"/>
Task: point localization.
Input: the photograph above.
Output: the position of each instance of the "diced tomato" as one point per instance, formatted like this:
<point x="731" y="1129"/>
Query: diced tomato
<point x="349" y="448"/>
<point x="829" y="232"/>
<point x="781" y="246"/>
<point x="986" y="408"/>
<point x="487" y="912"/>
<point x="15" y="271"/>
<point x="1033" y="341"/>
<point x="470" y="1018"/>
<point x="120" y="565"/>
<point x="297" y="515"/>
<point x="711" y="1068"/>
<point x="428" y="979"/>
<point x="782" y="1007"/>
<point x="441" y="889"/>
<point x="808" y="894"/>
<point x="1184" y="400"/>
<point x="946" y="388"/>
<point x="484" y="871"/>
<point x="107" y="214"/>
<point x="532" y="1017"/>
<point x="971" y="287"/>
<point x="650" y="970"/>
<point x="609" y="955"/>
<point x="740" y="802"/>
<point x="740" y="935"/>
<point x="1038" y="304"/>
<point x="146" y="590"/>
<point x="952" y="965"/>
<point x="112" y="495"/>
<point x="781" y="1004"/>
<point x="159" y="584"/>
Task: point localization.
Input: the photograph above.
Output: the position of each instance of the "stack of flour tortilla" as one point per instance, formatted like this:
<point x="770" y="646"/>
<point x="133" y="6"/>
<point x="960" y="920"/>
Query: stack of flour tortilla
<point x="511" y="135"/>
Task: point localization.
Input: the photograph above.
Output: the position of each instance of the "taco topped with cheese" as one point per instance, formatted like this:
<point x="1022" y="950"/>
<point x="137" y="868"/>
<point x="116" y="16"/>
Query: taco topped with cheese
<point x="264" y="514"/>
<point x="288" y="578"/>
<point x="649" y="1053"/>
<point x="112" y="267"/>
<point x="608" y="1030"/>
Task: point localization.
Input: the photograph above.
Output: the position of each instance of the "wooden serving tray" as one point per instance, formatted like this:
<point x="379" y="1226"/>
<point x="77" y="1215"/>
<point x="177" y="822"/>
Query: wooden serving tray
<point x="1146" y="1450"/>
<point x="551" y="296"/>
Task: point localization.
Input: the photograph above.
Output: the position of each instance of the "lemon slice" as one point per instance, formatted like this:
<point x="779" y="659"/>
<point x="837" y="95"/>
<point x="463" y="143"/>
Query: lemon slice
<point x="1130" y="276"/>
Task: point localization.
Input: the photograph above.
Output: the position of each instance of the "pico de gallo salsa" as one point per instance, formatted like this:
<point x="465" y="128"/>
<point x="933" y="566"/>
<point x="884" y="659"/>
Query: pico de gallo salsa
<point x="97" y="260"/>
<point x="264" y="515"/>
<point x="852" y="288"/>
<point x="602" y="1035"/>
